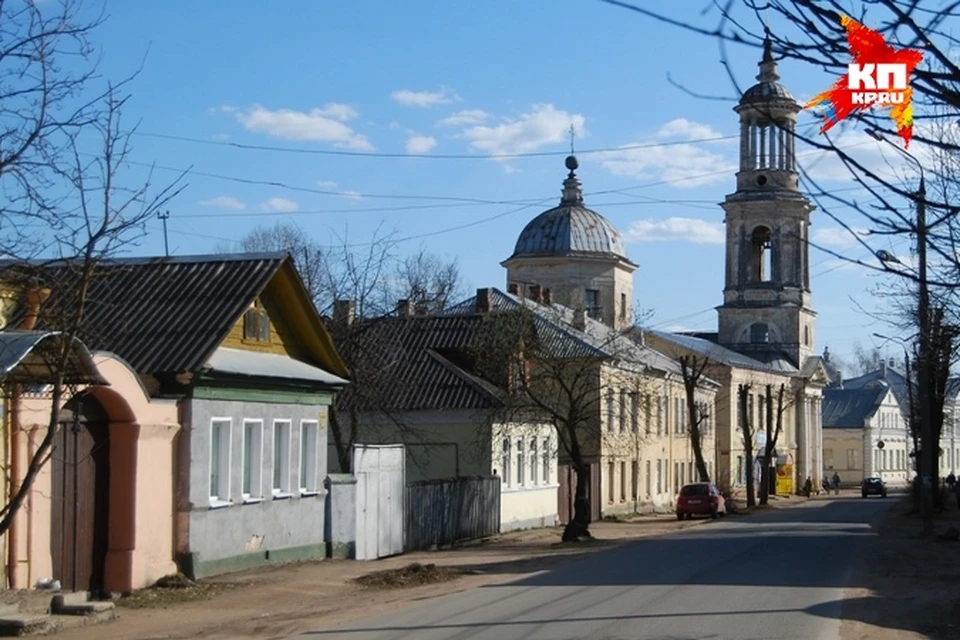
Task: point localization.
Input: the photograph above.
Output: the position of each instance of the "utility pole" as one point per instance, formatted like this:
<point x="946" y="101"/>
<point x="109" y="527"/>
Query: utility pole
<point x="928" y="448"/>
<point x="163" y="215"/>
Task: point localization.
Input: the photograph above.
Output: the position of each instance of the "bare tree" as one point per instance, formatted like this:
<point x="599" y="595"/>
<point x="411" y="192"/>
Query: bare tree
<point x="98" y="219"/>
<point x="428" y="281"/>
<point x="747" y="435"/>
<point x="692" y="369"/>
<point x="774" y="427"/>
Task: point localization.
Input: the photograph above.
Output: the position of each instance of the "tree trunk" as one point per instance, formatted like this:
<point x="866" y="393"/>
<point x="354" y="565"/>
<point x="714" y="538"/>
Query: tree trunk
<point x="747" y="430"/>
<point x="579" y="526"/>
<point x="768" y="449"/>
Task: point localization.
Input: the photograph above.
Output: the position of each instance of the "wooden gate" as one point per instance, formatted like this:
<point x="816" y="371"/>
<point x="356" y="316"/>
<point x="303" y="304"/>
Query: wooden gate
<point x="566" y="493"/>
<point x="380" y="474"/>
<point x="80" y="496"/>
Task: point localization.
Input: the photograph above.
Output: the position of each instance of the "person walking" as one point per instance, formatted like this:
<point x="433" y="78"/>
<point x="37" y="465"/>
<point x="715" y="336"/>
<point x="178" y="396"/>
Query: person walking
<point x="836" y="483"/>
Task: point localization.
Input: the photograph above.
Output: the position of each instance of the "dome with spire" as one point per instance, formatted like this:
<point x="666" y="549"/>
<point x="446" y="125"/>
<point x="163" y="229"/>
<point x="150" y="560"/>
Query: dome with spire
<point x="570" y="228"/>
<point x="768" y="88"/>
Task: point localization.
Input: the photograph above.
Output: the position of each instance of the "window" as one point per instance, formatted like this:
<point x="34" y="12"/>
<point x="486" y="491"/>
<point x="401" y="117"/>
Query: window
<point x="519" y="375"/>
<point x="546" y="461"/>
<point x="635" y="479"/>
<point x="635" y="412"/>
<point x="610" y="482"/>
<point x="533" y="460"/>
<point x="646" y="482"/>
<point x="647" y="410"/>
<point x="623" y="482"/>
<point x="623" y="306"/>
<point x="623" y="410"/>
<point x="828" y="458"/>
<point x="506" y="461"/>
<point x="852" y="459"/>
<point x="739" y="469"/>
<point x="220" y="461"/>
<point x="759" y="332"/>
<point x="520" y="463"/>
<point x="281" y="458"/>
<point x="610" y="402"/>
<point x="761" y="256"/>
<point x="676" y="477"/>
<point x="309" y="437"/>
<point x="256" y="324"/>
<point x="659" y="476"/>
<point x="593" y="303"/>
<point x="252" y="460"/>
<point x="806" y="335"/>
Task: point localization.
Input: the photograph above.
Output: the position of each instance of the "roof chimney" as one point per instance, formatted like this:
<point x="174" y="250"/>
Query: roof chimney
<point x="421" y="309"/>
<point x="36" y="296"/>
<point x="404" y="308"/>
<point x="580" y="319"/>
<point x="513" y="289"/>
<point x="484" y="300"/>
<point x="547" y="298"/>
<point x="535" y="293"/>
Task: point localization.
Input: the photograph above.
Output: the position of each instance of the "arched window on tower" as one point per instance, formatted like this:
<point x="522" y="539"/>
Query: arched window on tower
<point x="761" y="265"/>
<point x="759" y="333"/>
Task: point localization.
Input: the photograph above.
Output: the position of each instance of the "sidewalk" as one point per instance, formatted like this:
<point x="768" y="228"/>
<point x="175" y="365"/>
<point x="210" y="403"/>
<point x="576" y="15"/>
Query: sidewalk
<point x="283" y="601"/>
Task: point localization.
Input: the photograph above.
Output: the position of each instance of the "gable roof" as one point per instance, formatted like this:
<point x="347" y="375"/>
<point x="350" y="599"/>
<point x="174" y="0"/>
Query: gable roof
<point x="719" y="353"/>
<point x="169" y="314"/>
<point x="851" y="408"/>
<point x="555" y="326"/>
<point x="894" y="379"/>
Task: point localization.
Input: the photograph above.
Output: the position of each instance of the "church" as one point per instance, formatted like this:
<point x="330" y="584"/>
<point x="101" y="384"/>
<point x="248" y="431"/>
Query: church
<point x="766" y="322"/>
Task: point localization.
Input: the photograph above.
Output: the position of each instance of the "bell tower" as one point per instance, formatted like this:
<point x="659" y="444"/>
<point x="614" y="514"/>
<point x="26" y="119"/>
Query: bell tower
<point x="766" y="297"/>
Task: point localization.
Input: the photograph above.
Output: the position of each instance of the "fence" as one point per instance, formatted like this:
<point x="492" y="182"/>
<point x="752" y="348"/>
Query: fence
<point x="441" y="512"/>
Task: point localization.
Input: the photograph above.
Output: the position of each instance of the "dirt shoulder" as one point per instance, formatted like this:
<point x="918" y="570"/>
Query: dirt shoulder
<point x="903" y="586"/>
<point x="279" y="602"/>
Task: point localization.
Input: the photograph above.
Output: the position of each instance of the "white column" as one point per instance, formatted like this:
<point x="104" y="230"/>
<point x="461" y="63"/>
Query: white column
<point x="744" y="146"/>
<point x="763" y="148"/>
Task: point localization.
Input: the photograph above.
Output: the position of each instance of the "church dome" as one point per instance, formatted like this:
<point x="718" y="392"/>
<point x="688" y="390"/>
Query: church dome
<point x="570" y="228"/>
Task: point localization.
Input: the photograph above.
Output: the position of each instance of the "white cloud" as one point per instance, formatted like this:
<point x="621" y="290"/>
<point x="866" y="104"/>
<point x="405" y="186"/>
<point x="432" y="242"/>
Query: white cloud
<point x="687" y="130"/>
<point x="420" y="144"/>
<point x="423" y="99"/>
<point x="683" y="163"/>
<point x="224" y="202"/>
<point x="330" y="185"/>
<point x="543" y="125"/>
<point x="282" y="205"/>
<point x="351" y="195"/>
<point x="221" y="137"/>
<point x="323" y="124"/>
<point x="327" y="184"/>
<point x="838" y="236"/>
<point x="465" y="118"/>
<point x="671" y="229"/>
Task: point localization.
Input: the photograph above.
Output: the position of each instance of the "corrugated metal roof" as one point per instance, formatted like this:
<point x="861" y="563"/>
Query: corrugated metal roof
<point x="850" y="408"/>
<point x="167" y="314"/>
<point x="718" y="353"/>
<point x="892" y="377"/>
<point x="28" y="357"/>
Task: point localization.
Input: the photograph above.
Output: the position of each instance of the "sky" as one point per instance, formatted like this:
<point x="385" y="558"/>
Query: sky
<point x="371" y="117"/>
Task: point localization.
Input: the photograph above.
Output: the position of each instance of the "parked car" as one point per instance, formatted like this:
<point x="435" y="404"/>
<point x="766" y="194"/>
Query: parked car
<point x="873" y="487"/>
<point x="701" y="498"/>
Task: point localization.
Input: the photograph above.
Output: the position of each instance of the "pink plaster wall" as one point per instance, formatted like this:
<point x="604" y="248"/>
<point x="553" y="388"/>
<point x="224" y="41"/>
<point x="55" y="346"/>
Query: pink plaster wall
<point x="148" y="548"/>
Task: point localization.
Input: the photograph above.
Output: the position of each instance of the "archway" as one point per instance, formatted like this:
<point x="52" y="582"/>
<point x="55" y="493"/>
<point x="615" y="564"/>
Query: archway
<point x="94" y="493"/>
<point x="761" y="258"/>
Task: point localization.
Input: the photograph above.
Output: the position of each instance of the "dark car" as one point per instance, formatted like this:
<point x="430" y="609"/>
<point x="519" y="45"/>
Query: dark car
<point x="873" y="487"/>
<point x="700" y="498"/>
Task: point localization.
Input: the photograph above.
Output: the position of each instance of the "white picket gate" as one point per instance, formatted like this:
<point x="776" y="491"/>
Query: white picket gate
<point x="381" y="481"/>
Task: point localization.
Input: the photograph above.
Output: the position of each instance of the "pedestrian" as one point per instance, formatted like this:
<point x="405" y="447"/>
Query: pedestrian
<point x="956" y="490"/>
<point x="808" y="488"/>
<point x="951" y="480"/>
<point x="836" y="483"/>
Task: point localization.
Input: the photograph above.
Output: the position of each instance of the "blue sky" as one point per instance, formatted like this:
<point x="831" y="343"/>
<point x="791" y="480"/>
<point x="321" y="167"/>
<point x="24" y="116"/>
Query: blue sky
<point x="418" y="79"/>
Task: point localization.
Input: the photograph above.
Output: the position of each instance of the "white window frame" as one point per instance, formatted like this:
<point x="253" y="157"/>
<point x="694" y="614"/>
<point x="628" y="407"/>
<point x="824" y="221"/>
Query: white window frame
<point x="507" y="463"/>
<point x="252" y="461"/>
<point x="280" y="426"/>
<point x="220" y="495"/>
<point x="534" y="463"/>
<point x="521" y="466"/>
<point x="546" y="461"/>
<point x="307" y="469"/>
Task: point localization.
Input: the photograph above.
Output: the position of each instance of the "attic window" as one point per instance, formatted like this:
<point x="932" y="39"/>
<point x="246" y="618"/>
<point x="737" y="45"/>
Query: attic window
<point x="256" y="324"/>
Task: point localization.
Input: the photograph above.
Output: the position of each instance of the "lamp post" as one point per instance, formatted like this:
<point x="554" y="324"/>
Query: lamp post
<point x="911" y="408"/>
<point x="927" y="446"/>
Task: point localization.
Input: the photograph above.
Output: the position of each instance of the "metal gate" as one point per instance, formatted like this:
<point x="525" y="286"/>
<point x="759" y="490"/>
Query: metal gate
<point x="380" y="474"/>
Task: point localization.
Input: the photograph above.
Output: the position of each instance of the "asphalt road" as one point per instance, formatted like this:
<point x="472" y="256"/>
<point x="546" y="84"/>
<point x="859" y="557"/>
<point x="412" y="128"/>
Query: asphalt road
<point x="774" y="575"/>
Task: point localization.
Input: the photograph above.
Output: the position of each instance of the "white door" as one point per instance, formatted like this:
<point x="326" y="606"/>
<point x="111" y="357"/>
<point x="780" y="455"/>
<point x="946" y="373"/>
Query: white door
<point x="379" y="470"/>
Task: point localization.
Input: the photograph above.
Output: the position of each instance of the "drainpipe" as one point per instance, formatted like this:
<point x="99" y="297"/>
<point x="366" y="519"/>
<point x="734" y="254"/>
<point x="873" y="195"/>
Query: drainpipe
<point x="31" y="450"/>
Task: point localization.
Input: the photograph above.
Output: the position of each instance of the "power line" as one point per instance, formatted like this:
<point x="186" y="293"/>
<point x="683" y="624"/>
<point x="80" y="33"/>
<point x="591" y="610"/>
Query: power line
<point x="424" y="156"/>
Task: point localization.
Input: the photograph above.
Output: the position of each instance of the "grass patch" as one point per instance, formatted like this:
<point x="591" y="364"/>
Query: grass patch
<point x="412" y="575"/>
<point x="173" y="589"/>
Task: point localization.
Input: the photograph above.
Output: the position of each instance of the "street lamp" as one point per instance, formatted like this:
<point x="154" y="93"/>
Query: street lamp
<point x="927" y="446"/>
<point x="910" y="404"/>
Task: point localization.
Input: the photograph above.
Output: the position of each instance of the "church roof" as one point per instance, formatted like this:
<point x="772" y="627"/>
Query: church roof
<point x="570" y="228"/>
<point x="768" y="88"/>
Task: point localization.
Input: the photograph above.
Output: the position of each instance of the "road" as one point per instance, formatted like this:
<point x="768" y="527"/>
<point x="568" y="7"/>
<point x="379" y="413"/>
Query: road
<point x="774" y="575"/>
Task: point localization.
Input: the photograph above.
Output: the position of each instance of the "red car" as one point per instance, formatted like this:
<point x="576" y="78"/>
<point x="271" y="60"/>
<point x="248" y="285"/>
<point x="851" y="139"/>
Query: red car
<point x="700" y="498"/>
